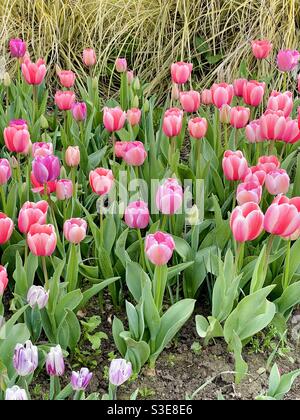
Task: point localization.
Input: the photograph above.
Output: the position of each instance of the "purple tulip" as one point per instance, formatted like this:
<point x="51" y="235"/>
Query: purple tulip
<point x="120" y="370"/>
<point x="15" y="394"/>
<point x="25" y="358"/>
<point x="46" y="169"/>
<point x="79" y="111"/>
<point x="80" y="380"/>
<point x="17" y="47"/>
<point x="55" y="364"/>
<point x="37" y="296"/>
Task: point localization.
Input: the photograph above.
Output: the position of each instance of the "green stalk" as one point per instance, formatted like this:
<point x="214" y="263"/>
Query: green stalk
<point x="73" y="173"/>
<point x="159" y="284"/>
<point x="45" y="273"/>
<point x="142" y="248"/>
<point x="3" y="198"/>
<point x="285" y="278"/>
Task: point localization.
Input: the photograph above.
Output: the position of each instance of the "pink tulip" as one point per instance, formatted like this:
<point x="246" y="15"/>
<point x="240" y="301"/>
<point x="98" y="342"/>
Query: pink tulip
<point x="46" y="169"/>
<point x="134" y="153"/>
<point x="3" y="280"/>
<point x="181" y="72"/>
<point x="281" y="199"/>
<point x="277" y="182"/>
<point x="75" y="230"/>
<point x="40" y="188"/>
<point x="253" y="92"/>
<point x="238" y="87"/>
<point x="169" y="197"/>
<point x="72" y="156"/>
<point x="17" y="47"/>
<point x="42" y="149"/>
<point x="206" y="97"/>
<point x="281" y="102"/>
<point x="282" y="219"/>
<point x="134" y="116"/>
<point x="172" y="122"/>
<point x="5" y="171"/>
<point x="41" y="240"/>
<point x="64" y="189"/>
<point x="246" y="222"/>
<point x="222" y="94"/>
<point x="261" y="48"/>
<point x="137" y="215"/>
<point x="89" y="57"/>
<point x="268" y="163"/>
<point x="249" y="191"/>
<point x="287" y="60"/>
<point x="67" y="78"/>
<point x="6" y="228"/>
<point x="255" y="174"/>
<point x="234" y="165"/>
<point x="130" y="76"/>
<point x="64" y="99"/>
<point x="79" y="111"/>
<point x="197" y="127"/>
<point x="34" y="73"/>
<point x="18" y="124"/>
<point x="190" y="100"/>
<point x="32" y="213"/>
<point x="17" y="140"/>
<point x="113" y="119"/>
<point x="239" y="116"/>
<point x="101" y="180"/>
<point x="272" y="125"/>
<point x="224" y="113"/>
<point x="121" y="65"/>
<point x="119" y="148"/>
<point x="292" y="132"/>
<point x="252" y="132"/>
<point x="159" y="247"/>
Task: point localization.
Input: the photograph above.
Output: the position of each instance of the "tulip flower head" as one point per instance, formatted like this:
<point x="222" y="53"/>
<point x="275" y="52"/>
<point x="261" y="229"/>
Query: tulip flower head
<point x="113" y="119"/>
<point x="34" y="73"/>
<point x="101" y="180"/>
<point x="25" y="359"/>
<point x="197" y="127"/>
<point x="64" y="99"/>
<point x="79" y="111"/>
<point x="72" y="156"/>
<point x="137" y="215"/>
<point x="239" y="116"/>
<point x="3" y="280"/>
<point x="64" y="189"/>
<point x="32" y="213"/>
<point x="261" y="48"/>
<point x="181" y="72"/>
<point x="282" y="218"/>
<point x="169" y="196"/>
<point x="17" y="138"/>
<point x="55" y="365"/>
<point x="206" y="97"/>
<point x="15" y="393"/>
<point x="42" y="149"/>
<point x="249" y="191"/>
<point x="133" y="153"/>
<point x="66" y="78"/>
<point x="287" y="60"/>
<point x="6" y="228"/>
<point x="75" y="230"/>
<point x="253" y="92"/>
<point x="246" y="222"/>
<point x="17" y="47"/>
<point x="190" y="100"/>
<point x="46" y="169"/>
<point x="268" y="163"/>
<point x="277" y="182"/>
<point x="235" y="166"/>
<point x="80" y="380"/>
<point x="42" y="240"/>
<point x="281" y="102"/>
<point x="121" y="65"/>
<point x="172" y="122"/>
<point x="119" y="371"/>
<point x="134" y="116"/>
<point x="222" y="94"/>
<point x="159" y="247"/>
<point x="238" y="87"/>
<point x="89" y="57"/>
<point x="37" y="296"/>
<point x="5" y="171"/>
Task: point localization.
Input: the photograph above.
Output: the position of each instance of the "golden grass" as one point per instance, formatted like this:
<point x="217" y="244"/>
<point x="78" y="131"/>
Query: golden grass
<point x="151" y="33"/>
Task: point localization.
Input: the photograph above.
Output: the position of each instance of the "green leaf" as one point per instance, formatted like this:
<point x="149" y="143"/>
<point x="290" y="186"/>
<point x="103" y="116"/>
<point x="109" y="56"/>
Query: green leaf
<point x="72" y="269"/>
<point x="138" y="352"/>
<point x="289" y="298"/>
<point x="94" y="290"/>
<point x="136" y="278"/>
<point x="259" y="273"/>
<point x="69" y="301"/>
<point x="117" y="329"/>
<point x="241" y="367"/>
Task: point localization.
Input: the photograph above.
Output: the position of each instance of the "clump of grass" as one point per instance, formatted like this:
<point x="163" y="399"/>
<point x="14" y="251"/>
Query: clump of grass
<point x="214" y="34"/>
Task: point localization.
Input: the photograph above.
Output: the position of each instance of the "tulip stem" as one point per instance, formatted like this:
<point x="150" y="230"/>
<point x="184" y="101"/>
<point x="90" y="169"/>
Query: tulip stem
<point x="163" y="222"/>
<point x="114" y="143"/>
<point x="142" y="248"/>
<point x="54" y="387"/>
<point x="234" y="195"/>
<point x="3" y="198"/>
<point x="285" y="277"/>
<point x="101" y="226"/>
<point x="112" y="392"/>
<point x="159" y="284"/>
<point x="45" y="273"/>
<point x="34" y="103"/>
<point x="239" y="257"/>
<point x="73" y="174"/>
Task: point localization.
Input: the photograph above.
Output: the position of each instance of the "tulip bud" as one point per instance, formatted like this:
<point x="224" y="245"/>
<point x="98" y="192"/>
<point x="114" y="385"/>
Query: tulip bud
<point x="75" y="230"/>
<point x="175" y="92"/>
<point x="64" y="189"/>
<point x="55" y="364"/>
<point x="146" y="106"/>
<point x="193" y="215"/>
<point x="119" y="372"/>
<point x="6" y="79"/>
<point x="80" y="380"/>
<point x="136" y="84"/>
<point x="15" y="394"/>
<point x="44" y="122"/>
<point x="37" y="296"/>
<point x="95" y="84"/>
<point x="25" y="358"/>
<point x="135" y="102"/>
<point x="159" y="247"/>
<point x="72" y="156"/>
